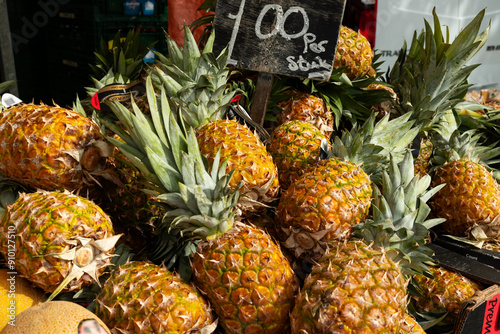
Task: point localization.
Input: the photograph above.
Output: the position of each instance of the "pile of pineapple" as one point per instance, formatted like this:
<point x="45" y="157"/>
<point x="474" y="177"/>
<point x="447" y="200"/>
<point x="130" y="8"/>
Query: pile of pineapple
<point x="168" y="214"/>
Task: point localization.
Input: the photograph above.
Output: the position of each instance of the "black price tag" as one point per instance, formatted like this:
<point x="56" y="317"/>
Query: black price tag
<point x="287" y="37"/>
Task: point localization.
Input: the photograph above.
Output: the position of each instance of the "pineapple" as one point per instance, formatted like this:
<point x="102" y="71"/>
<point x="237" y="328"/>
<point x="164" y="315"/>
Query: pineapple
<point x="197" y="87"/>
<point x="353" y="52"/>
<point x="51" y="148"/>
<point x="294" y="145"/>
<point x="308" y="108"/>
<point x="460" y="164"/>
<point x="360" y="285"/>
<point x="248" y="280"/>
<point x="247" y="155"/>
<point x="446" y="291"/>
<point x="62" y="242"/>
<point x="334" y="195"/>
<point x="353" y="289"/>
<point x="324" y="204"/>
<point x="147" y="298"/>
<point x="202" y="215"/>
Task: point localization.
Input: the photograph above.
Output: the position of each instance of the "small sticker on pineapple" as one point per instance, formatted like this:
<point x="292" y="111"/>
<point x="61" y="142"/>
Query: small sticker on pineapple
<point x="90" y="326"/>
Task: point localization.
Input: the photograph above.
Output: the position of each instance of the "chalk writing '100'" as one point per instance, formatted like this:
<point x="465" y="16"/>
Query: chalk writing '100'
<point x="279" y="28"/>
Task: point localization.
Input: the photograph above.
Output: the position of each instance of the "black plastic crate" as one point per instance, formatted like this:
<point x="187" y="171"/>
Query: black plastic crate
<point x="74" y="36"/>
<point x="76" y="10"/>
<point x="73" y="63"/>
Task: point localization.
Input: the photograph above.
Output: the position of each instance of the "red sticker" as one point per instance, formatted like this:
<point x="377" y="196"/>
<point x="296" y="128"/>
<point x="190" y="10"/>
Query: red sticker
<point x="95" y="102"/>
<point x="491" y="321"/>
<point x="236" y="98"/>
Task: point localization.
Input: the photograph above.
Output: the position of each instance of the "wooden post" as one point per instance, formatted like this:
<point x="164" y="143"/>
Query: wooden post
<point x="6" y="53"/>
<point x="261" y="97"/>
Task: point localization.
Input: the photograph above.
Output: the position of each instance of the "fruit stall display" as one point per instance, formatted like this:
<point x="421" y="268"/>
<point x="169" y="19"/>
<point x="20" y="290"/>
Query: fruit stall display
<point x="165" y="212"/>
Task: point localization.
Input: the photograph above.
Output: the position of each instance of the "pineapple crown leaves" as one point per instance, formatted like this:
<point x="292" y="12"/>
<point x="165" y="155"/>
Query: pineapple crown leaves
<point x="124" y="58"/>
<point x="464" y="145"/>
<point x="431" y="76"/>
<point x="399" y="221"/>
<point x="372" y="144"/>
<point x="195" y="80"/>
<point x="198" y="202"/>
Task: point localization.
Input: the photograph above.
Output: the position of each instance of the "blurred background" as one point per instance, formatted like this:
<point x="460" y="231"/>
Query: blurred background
<point x="47" y="45"/>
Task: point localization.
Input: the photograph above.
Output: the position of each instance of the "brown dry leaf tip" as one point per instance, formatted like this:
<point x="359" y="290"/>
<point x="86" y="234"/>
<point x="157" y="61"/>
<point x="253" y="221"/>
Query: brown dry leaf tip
<point x="86" y="254"/>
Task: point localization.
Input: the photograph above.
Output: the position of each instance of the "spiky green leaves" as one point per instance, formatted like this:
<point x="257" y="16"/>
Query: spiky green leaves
<point x="195" y="81"/>
<point x="123" y="58"/>
<point x="371" y="143"/>
<point x="431" y="75"/>
<point x="198" y="202"/>
<point x="399" y="221"/>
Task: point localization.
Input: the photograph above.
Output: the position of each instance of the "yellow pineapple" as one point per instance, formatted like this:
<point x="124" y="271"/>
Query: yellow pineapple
<point x="294" y="145"/>
<point x="470" y="199"/>
<point x="352" y="289"/>
<point x="324" y="204"/>
<point x="446" y="291"/>
<point x="244" y="152"/>
<point x="247" y="279"/>
<point x="308" y="108"/>
<point x="388" y="106"/>
<point x="147" y="298"/>
<point x="61" y="241"/>
<point x="423" y="160"/>
<point x="354" y="52"/>
<point x="50" y="148"/>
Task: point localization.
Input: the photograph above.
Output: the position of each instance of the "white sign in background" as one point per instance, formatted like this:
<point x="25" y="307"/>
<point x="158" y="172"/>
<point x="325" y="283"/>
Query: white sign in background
<point x="398" y="19"/>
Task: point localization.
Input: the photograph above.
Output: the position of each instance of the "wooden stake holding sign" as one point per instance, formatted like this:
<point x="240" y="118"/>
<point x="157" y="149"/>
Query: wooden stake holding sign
<point x="286" y="37"/>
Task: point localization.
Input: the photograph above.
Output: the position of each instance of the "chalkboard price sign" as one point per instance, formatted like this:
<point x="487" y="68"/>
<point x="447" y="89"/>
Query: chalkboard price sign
<point x="295" y="38"/>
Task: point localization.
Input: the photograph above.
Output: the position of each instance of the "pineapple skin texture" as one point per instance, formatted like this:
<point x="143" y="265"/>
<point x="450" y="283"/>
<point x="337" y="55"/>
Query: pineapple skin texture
<point x="352" y="289"/>
<point x="294" y="146"/>
<point x="248" y="281"/>
<point x="42" y="146"/>
<point x="410" y="326"/>
<point x="355" y="52"/>
<point x="470" y="198"/>
<point x="323" y="205"/>
<point x="446" y="292"/>
<point x="47" y="223"/>
<point x="141" y="297"/>
<point x="308" y="108"/>
<point x="246" y="154"/>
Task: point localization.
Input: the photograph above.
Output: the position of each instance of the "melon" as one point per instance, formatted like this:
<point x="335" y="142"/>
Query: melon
<point x="16" y="295"/>
<point x="56" y="317"/>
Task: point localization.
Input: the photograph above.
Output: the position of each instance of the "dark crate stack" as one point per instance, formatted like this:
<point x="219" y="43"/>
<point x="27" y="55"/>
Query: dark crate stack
<point x="76" y="32"/>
